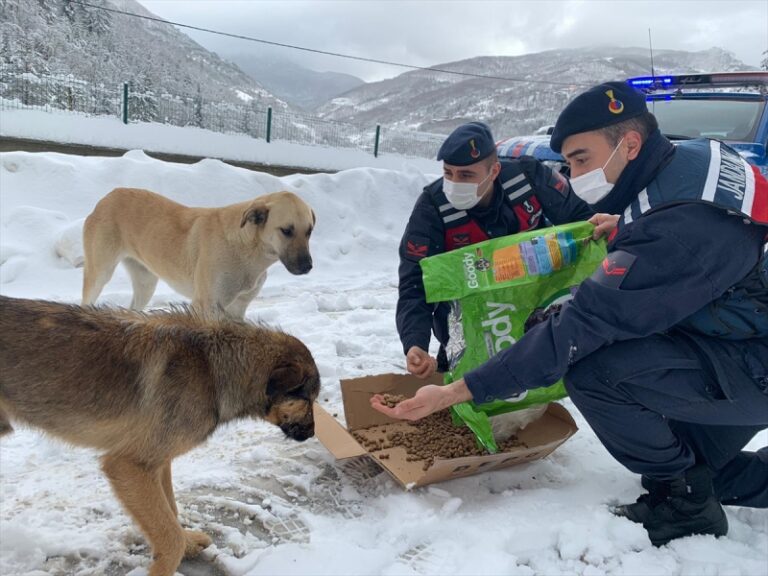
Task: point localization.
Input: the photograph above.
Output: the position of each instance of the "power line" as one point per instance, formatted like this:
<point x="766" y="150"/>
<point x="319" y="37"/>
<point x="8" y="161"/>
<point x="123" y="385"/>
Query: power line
<point x="324" y="52"/>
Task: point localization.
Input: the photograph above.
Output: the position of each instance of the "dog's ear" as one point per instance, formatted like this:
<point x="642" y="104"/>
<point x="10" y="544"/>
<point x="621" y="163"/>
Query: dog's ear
<point x="256" y="213"/>
<point x="285" y="378"/>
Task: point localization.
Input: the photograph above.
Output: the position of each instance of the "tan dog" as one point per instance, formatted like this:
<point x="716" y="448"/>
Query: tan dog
<point x="145" y="388"/>
<point x="218" y="257"/>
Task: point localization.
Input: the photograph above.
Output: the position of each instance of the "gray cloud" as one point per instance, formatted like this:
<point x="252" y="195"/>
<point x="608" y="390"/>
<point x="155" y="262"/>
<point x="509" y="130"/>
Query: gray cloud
<point x="426" y="33"/>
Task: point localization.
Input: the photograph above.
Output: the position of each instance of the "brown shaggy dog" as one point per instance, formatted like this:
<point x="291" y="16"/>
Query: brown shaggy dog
<point x="145" y="388"/>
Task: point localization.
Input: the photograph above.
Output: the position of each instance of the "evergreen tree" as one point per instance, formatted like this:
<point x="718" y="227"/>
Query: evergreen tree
<point x="198" y="110"/>
<point x="70" y="10"/>
<point x="142" y="102"/>
<point x="764" y="63"/>
<point x="98" y="21"/>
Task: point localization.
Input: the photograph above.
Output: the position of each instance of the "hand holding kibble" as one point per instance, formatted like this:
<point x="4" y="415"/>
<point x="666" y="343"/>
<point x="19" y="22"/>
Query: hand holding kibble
<point x="431" y="437"/>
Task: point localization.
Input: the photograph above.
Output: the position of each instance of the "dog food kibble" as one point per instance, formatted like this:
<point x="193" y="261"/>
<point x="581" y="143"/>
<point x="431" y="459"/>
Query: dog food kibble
<point x="392" y="400"/>
<point x="432" y="437"/>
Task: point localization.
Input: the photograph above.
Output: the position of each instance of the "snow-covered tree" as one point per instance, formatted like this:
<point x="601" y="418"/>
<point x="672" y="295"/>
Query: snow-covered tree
<point x="142" y="101"/>
<point x="70" y="9"/>
<point x="197" y="119"/>
<point x="98" y="21"/>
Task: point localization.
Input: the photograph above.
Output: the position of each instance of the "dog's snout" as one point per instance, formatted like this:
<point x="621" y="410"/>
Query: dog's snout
<point x="299" y="432"/>
<point x="305" y="266"/>
<point x="299" y="265"/>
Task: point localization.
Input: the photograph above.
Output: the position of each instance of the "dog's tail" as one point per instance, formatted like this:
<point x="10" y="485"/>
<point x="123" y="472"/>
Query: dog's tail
<point x="101" y="252"/>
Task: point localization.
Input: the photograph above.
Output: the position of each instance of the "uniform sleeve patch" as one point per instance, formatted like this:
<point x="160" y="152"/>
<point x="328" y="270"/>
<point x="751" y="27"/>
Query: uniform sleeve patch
<point x="614" y="269"/>
<point x="461" y="239"/>
<point x="416" y="247"/>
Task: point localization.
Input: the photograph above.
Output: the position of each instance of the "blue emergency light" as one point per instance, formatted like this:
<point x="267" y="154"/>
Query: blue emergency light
<point x="645" y="81"/>
<point x="715" y="80"/>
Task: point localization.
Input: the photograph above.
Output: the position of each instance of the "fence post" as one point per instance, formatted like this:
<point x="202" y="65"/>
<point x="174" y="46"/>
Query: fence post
<point x="125" y="102"/>
<point x="376" y="143"/>
<point x="269" y="123"/>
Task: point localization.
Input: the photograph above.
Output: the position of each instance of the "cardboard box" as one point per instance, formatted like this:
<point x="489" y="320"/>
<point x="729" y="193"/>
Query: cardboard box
<point x="541" y="437"/>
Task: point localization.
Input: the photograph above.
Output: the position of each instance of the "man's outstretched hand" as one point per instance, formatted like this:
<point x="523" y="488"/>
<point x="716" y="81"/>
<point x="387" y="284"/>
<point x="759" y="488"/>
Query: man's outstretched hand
<point x="428" y="399"/>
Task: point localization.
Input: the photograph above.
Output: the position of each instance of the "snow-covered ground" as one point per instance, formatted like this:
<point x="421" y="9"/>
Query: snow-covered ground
<point x="274" y="506"/>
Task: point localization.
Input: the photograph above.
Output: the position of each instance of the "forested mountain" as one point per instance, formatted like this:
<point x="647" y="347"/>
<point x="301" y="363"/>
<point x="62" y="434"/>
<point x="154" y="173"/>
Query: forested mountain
<point x="104" y="48"/>
<point x="536" y="88"/>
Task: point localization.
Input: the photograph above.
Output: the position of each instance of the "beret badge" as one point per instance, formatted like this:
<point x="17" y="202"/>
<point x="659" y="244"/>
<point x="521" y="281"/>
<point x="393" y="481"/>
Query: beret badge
<point x="615" y="106"/>
<point x="474" y="152"/>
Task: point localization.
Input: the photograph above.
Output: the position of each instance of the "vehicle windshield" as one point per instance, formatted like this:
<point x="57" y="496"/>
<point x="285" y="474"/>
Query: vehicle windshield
<point x="720" y="119"/>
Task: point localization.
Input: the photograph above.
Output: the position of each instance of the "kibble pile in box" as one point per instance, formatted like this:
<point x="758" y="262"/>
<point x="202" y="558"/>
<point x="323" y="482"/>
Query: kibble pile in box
<point x="396" y="445"/>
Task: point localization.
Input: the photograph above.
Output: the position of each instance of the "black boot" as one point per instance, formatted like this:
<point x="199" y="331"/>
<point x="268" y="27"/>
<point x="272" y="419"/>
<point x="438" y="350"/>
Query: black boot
<point x="640" y="510"/>
<point x="741" y="482"/>
<point x="691" y="508"/>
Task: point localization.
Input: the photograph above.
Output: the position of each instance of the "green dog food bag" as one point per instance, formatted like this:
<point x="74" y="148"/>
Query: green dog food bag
<point x="498" y="289"/>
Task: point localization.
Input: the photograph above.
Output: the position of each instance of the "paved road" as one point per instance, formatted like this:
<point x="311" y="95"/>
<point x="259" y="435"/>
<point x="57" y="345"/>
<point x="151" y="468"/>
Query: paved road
<point x="26" y="145"/>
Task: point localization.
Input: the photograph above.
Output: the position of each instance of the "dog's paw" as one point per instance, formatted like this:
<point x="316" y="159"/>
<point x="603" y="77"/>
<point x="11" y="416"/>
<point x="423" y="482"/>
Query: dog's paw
<point x="196" y="542"/>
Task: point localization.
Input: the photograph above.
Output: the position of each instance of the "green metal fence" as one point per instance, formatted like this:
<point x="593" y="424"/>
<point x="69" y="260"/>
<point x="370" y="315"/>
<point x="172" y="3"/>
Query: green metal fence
<point x="67" y="94"/>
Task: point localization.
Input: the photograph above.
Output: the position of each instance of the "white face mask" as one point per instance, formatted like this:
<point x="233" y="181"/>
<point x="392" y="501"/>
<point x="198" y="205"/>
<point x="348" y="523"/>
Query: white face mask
<point x="463" y="195"/>
<point x="593" y="186"/>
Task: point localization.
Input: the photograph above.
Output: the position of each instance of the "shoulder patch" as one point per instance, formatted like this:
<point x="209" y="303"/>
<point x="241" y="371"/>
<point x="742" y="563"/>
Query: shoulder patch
<point x="416" y="247"/>
<point x="559" y="182"/>
<point x="614" y="269"/>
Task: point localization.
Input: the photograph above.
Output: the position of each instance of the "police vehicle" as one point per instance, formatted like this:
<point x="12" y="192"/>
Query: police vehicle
<point x="727" y="106"/>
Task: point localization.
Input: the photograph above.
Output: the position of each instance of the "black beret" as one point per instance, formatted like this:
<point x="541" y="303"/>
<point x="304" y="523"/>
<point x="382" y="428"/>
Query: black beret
<point x="467" y="144"/>
<point x="598" y="107"/>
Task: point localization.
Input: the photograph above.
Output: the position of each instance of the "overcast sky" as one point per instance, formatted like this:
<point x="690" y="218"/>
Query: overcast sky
<point x="431" y="32"/>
